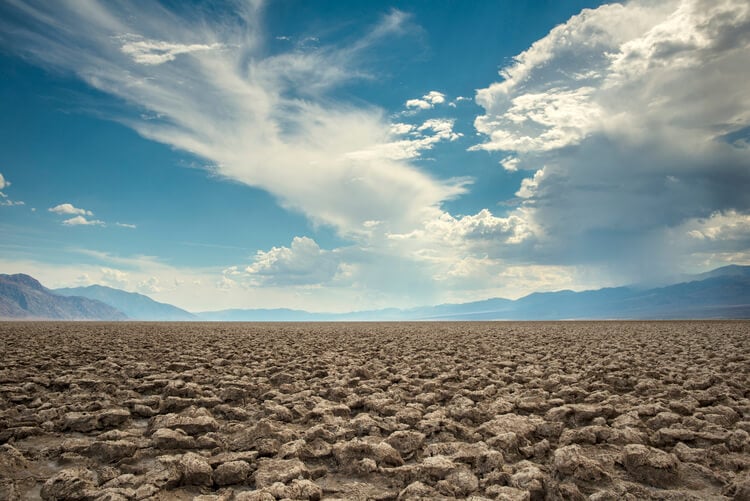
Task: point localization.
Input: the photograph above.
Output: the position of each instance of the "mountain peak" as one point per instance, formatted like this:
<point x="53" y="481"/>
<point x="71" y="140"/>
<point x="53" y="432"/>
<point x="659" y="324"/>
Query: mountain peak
<point x="24" y="280"/>
<point x="23" y="297"/>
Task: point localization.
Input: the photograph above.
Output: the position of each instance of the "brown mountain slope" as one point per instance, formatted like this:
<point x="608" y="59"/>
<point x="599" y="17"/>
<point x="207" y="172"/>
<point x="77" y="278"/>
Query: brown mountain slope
<point x="23" y="297"/>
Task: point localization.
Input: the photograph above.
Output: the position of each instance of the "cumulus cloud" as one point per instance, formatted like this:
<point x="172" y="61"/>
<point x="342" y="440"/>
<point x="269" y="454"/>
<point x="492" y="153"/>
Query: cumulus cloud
<point x="510" y="163"/>
<point x="426" y="102"/>
<point x="632" y="118"/>
<point x="302" y="263"/>
<point x="3" y="182"/>
<point x="70" y="209"/>
<point x="81" y="217"/>
<point x="727" y="226"/>
<point x="422" y="138"/>
<point x="481" y="229"/>
<point x="151" y="285"/>
<point x="114" y="277"/>
<point x="82" y="221"/>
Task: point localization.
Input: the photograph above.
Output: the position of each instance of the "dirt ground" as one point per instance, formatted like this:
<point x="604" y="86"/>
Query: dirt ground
<point x="382" y="411"/>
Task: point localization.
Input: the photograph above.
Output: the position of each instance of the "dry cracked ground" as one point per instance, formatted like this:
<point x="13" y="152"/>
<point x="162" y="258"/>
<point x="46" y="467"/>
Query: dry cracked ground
<point x="509" y="411"/>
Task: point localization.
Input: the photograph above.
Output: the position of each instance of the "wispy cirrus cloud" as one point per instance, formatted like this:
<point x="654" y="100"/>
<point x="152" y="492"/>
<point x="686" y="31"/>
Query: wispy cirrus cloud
<point x="152" y="52"/>
<point x="267" y="120"/>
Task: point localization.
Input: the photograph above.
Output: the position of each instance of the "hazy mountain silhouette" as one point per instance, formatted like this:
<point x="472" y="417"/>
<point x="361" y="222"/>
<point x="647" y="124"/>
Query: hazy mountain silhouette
<point x="720" y="293"/>
<point x="135" y="306"/>
<point x="23" y="297"/>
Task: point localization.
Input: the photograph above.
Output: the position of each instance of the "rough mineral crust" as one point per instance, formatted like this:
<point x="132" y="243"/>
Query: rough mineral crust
<point x="412" y="411"/>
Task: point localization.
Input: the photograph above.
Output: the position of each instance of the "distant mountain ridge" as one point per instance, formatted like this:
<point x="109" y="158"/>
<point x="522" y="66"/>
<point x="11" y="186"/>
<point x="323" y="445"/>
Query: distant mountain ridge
<point x="23" y="297"/>
<point x="135" y="306"/>
<point x="720" y="293"/>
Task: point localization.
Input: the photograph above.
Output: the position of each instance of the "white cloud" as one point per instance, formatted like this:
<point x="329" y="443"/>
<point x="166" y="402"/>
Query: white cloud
<point x="423" y="138"/>
<point x="151" y="285"/>
<point x="302" y="263"/>
<point x="269" y="121"/>
<point x="152" y="52"/>
<point x="82" y="221"/>
<point x="619" y="113"/>
<point x="729" y="226"/>
<point x="4" y="200"/>
<point x="510" y="163"/>
<point x="426" y="102"/>
<point x="531" y="184"/>
<point x="126" y="225"/>
<point x="418" y="103"/>
<point x="114" y="278"/>
<point x="626" y="114"/>
<point x="401" y="128"/>
<point x="471" y="233"/>
<point x="542" y="121"/>
<point x="70" y="210"/>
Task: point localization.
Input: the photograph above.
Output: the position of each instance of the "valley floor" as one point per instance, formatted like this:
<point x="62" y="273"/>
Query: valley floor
<point x="509" y="411"/>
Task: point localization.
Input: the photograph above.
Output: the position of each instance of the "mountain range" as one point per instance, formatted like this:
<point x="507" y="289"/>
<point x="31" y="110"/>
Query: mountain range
<point x="720" y="293"/>
<point x="23" y="297"/>
<point x="135" y="306"/>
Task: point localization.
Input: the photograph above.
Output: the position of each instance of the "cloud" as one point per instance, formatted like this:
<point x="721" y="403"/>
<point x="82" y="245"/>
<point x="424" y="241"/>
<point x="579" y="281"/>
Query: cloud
<point x="82" y="217"/>
<point x="423" y="138"/>
<point x="302" y="263"/>
<point x="267" y="120"/>
<point x="401" y="128"/>
<point x="510" y="163"/>
<point x="114" y="277"/>
<point x="70" y="210"/>
<point x="628" y="118"/>
<point x="631" y="117"/>
<point x="82" y="221"/>
<point x="152" y="52"/>
<point x="428" y="101"/>
<point x="728" y="230"/>
<point x="442" y="242"/>
<point x="151" y="285"/>
<point x="4" y="200"/>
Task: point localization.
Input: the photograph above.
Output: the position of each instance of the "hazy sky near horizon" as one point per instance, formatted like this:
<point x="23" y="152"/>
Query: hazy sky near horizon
<point x="334" y="156"/>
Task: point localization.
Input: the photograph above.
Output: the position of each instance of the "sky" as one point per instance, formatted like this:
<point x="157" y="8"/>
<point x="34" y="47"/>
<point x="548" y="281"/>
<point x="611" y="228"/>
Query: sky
<point x="336" y="156"/>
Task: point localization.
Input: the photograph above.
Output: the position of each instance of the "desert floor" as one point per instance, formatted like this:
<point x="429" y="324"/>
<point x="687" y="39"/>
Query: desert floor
<point x="511" y="411"/>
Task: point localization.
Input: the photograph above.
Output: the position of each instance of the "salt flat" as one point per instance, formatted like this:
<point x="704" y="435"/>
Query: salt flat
<point x="511" y="411"/>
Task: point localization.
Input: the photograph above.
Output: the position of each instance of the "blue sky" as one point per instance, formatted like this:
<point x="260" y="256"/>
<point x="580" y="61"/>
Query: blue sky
<point x="351" y="155"/>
